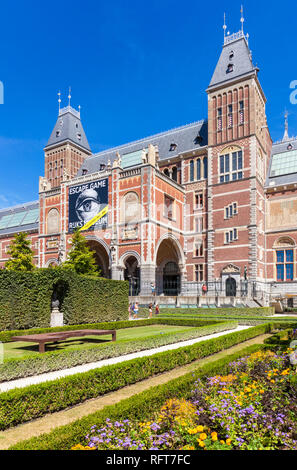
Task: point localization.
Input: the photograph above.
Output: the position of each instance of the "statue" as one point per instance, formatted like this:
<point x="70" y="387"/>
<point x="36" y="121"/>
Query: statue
<point x="44" y="184"/>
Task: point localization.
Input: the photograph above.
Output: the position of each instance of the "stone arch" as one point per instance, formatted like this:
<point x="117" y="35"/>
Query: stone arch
<point x="130" y="263"/>
<point x="127" y="255"/>
<point x="52" y="262"/>
<point x="102" y="254"/>
<point x="170" y="263"/>
<point x="180" y="251"/>
<point x="284" y="242"/>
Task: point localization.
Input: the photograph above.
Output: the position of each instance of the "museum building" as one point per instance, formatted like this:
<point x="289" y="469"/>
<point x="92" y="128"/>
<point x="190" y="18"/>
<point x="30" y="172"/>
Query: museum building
<point x="203" y="214"/>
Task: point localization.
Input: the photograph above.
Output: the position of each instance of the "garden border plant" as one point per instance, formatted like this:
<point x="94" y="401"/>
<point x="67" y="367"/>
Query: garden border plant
<point x="21" y="405"/>
<point x="16" y="368"/>
<point x="140" y="406"/>
<point x="219" y="311"/>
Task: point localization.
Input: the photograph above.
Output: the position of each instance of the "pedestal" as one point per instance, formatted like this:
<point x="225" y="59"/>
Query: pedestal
<point x="56" y="318"/>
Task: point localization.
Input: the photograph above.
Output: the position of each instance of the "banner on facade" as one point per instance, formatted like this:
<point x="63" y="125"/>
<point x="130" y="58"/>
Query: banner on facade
<point x="88" y="206"/>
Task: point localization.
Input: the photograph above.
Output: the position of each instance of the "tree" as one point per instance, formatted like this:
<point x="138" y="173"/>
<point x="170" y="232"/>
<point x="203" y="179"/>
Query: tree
<point x="81" y="259"/>
<point x="21" y="254"/>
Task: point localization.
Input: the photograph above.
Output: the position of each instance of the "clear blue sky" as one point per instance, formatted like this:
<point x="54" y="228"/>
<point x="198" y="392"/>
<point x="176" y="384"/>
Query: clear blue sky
<point x="135" y="67"/>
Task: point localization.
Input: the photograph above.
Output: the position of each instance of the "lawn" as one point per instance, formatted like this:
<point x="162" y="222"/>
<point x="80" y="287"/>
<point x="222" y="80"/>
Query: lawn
<point x="19" y="349"/>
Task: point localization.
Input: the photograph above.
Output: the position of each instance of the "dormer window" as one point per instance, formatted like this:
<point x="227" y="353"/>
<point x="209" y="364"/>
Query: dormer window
<point x="230" y="68"/>
<point x="84" y="171"/>
<point x="58" y="133"/>
<point x="290" y="146"/>
<point x="231" y="56"/>
<point x="172" y="147"/>
<point x="102" y="167"/>
<point x="78" y="136"/>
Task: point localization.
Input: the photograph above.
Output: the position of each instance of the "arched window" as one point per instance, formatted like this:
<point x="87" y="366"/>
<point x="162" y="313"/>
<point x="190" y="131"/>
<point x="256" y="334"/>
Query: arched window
<point x="53" y="221"/>
<point x="166" y="172"/>
<point x="205" y="169"/>
<point x="131" y="208"/>
<point x="174" y="173"/>
<point x="192" y="170"/>
<point x="198" y="169"/>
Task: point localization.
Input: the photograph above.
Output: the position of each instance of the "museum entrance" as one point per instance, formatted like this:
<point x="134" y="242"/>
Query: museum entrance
<point x="171" y="279"/>
<point x="132" y="274"/>
<point x="230" y="287"/>
<point x="101" y="256"/>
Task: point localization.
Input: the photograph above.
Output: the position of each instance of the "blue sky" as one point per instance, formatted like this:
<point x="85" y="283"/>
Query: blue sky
<point x="135" y="67"/>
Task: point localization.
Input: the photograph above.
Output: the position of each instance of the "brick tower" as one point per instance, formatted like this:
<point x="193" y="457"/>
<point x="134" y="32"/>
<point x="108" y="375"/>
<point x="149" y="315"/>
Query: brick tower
<point x="239" y="146"/>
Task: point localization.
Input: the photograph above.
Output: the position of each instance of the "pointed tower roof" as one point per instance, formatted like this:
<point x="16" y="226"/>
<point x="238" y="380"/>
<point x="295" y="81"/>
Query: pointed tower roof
<point x="286" y="134"/>
<point x="68" y="128"/>
<point x="235" y="61"/>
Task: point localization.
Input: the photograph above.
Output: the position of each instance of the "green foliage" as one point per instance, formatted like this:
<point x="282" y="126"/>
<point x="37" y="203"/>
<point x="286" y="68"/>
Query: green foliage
<point x="57" y="360"/>
<point x="20" y="405"/>
<point x="25" y="298"/>
<point x="140" y="406"/>
<point x="81" y="258"/>
<point x="21" y="254"/>
<point x="242" y="311"/>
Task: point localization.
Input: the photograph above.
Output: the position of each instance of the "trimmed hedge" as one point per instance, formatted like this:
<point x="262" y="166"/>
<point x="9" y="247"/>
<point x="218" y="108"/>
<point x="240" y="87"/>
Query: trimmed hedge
<point x="140" y="406"/>
<point x="5" y="336"/>
<point x="57" y="360"/>
<point x="242" y="311"/>
<point x="21" y="405"/>
<point x="25" y="298"/>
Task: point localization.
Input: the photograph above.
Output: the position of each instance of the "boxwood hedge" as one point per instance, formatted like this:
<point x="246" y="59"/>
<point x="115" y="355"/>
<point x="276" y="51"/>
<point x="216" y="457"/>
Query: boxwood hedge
<point x="21" y="405"/>
<point x="13" y="369"/>
<point x="140" y="406"/>
<point x="25" y="298"/>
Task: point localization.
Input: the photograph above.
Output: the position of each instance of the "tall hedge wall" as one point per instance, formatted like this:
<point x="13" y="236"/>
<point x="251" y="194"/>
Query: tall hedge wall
<point x="25" y="298"/>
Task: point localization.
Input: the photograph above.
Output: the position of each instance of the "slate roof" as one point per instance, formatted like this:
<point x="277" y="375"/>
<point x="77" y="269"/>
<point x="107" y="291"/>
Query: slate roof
<point x="279" y="148"/>
<point x="69" y="128"/>
<point x="235" y="52"/>
<point x="24" y="212"/>
<point x="190" y="137"/>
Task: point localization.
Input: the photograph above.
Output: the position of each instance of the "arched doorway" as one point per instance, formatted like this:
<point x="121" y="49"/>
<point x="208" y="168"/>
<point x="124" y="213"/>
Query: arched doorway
<point x="230" y="287"/>
<point x="132" y="274"/>
<point x="168" y="262"/>
<point x="101" y="257"/>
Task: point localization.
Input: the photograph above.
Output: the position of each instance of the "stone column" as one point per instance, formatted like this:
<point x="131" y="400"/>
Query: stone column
<point x="147" y="275"/>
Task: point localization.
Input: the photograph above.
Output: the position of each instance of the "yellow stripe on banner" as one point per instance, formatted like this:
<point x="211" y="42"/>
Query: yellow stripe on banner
<point x="95" y="219"/>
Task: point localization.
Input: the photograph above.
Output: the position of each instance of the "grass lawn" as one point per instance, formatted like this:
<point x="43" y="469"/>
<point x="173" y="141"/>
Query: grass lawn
<point x="18" y="349"/>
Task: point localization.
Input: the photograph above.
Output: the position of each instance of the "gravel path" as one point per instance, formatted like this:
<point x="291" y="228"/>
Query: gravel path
<point x="37" y="379"/>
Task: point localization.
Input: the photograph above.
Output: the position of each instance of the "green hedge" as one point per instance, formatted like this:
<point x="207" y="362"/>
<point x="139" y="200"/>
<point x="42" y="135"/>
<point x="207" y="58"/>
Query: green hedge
<point x="242" y="311"/>
<point x="13" y="369"/>
<point x="25" y="298"/>
<point x="5" y="336"/>
<point x="21" y="405"/>
<point x="140" y="406"/>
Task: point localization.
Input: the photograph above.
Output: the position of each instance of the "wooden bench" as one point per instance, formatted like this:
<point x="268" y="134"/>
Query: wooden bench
<point x="43" y="338"/>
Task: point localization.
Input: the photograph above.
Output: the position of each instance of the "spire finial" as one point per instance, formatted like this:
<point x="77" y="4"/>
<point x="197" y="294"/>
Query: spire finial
<point x="79" y="108"/>
<point x="242" y="18"/>
<point x="59" y="100"/>
<point x="286" y="134"/>
<point x="224" y="27"/>
<point x="69" y="96"/>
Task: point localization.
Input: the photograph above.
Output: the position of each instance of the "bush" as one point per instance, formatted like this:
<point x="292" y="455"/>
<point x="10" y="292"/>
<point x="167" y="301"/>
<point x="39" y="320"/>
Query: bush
<point x="242" y="311"/>
<point x="27" y="366"/>
<point x="139" y="406"/>
<point x="21" y="405"/>
<point x="25" y="298"/>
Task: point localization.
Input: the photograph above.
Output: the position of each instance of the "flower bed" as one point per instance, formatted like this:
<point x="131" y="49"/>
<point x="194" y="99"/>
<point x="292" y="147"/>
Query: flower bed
<point x="253" y="407"/>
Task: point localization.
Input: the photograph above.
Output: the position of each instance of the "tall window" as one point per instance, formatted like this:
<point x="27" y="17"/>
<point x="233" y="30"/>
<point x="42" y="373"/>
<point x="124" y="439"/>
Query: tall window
<point x="284" y="265"/>
<point x="231" y="166"/>
<point x="220" y="119"/>
<point x="199" y="272"/>
<point x="198" y="169"/>
<point x="198" y="251"/>
<point x="192" y="170"/>
<point x="168" y="207"/>
<point x="198" y="224"/>
<point x="230" y="115"/>
<point x="241" y="112"/>
<point x="205" y="169"/>
<point x="198" y="200"/>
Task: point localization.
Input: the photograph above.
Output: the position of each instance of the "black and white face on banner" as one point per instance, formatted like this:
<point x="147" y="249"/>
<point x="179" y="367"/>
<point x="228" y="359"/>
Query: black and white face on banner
<point x="88" y="206"/>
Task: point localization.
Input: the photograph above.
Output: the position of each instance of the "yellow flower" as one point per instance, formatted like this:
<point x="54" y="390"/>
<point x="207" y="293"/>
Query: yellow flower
<point x="201" y="444"/>
<point x="200" y="428"/>
<point x="203" y="436"/>
<point x="222" y="442"/>
<point x="228" y="441"/>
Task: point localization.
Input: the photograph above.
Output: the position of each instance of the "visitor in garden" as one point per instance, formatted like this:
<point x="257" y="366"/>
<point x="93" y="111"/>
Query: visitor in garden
<point x="157" y="311"/>
<point x="150" y="310"/>
<point x="130" y="311"/>
<point x="135" y="310"/>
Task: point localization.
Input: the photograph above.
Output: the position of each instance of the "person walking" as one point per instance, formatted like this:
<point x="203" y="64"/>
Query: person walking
<point x="136" y="310"/>
<point x="157" y="311"/>
<point x="150" y="310"/>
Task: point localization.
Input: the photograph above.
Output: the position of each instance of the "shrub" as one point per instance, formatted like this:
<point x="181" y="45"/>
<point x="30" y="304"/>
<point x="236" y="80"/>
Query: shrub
<point x="27" y="366"/>
<point x="139" y="406"/>
<point x="25" y="298"/>
<point x="21" y="405"/>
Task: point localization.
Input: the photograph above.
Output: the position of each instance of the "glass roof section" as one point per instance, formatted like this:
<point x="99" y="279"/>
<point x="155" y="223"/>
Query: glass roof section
<point x="284" y="164"/>
<point x="17" y="219"/>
